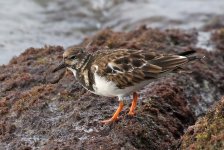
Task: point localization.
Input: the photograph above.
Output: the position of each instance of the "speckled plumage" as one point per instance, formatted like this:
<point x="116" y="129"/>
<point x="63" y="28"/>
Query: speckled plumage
<point x="129" y="67"/>
<point x="123" y="67"/>
<point x="120" y="72"/>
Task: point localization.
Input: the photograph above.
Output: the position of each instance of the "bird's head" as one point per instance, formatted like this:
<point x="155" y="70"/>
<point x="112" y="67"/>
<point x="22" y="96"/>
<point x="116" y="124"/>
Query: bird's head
<point x="73" y="58"/>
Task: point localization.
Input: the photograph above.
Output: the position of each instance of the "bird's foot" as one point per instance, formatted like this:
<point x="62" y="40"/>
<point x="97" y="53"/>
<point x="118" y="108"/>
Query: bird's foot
<point x="116" y="114"/>
<point x="131" y="113"/>
<point x="109" y="121"/>
<point x="133" y="104"/>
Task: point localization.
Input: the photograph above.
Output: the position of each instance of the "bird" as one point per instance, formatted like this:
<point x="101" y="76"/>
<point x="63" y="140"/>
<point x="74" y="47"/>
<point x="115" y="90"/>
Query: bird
<point x="121" y="72"/>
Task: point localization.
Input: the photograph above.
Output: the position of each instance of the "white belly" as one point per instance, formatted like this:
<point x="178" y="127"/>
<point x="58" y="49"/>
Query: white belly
<point x="108" y="88"/>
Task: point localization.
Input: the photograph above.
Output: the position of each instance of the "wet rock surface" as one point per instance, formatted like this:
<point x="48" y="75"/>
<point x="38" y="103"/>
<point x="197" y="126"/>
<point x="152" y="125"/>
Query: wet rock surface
<point x="44" y="110"/>
<point x="207" y="133"/>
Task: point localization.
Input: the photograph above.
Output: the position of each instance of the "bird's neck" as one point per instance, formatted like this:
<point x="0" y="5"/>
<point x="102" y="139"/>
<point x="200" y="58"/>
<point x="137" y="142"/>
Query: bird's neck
<point x="84" y="74"/>
<point x="84" y="61"/>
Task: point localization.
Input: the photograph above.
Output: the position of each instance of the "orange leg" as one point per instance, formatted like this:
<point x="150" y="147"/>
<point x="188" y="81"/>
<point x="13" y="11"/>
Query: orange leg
<point x="133" y="104"/>
<point x="116" y="114"/>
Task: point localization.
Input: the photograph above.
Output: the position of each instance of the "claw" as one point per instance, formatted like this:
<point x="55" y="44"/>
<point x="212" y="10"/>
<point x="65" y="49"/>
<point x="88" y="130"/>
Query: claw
<point x="108" y="121"/>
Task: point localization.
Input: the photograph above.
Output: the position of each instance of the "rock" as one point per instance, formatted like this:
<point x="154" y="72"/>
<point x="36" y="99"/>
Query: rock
<point x="218" y="38"/>
<point x="44" y="110"/>
<point x="208" y="131"/>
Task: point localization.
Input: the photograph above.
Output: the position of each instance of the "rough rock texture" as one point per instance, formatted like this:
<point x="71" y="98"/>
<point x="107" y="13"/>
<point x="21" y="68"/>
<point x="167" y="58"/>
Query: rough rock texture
<point x="218" y="38"/>
<point x="208" y="132"/>
<point x="44" y="110"/>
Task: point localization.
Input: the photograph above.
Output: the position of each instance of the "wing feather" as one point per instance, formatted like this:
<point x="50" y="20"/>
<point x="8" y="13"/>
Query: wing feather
<point x="127" y="67"/>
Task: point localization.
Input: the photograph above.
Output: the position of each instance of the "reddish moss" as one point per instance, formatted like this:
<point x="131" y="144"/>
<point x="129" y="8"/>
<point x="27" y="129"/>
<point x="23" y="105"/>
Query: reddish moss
<point x="51" y="110"/>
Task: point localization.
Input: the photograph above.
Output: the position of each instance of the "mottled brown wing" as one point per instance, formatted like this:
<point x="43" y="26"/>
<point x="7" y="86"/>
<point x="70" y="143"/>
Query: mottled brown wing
<point x="127" y="67"/>
<point x="166" y="63"/>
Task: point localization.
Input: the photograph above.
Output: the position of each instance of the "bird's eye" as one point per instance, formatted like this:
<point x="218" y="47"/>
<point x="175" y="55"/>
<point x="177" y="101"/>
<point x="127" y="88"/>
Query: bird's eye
<point x="73" y="57"/>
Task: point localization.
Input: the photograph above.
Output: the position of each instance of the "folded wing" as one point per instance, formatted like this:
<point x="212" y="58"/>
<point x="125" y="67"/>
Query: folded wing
<point x="127" y="67"/>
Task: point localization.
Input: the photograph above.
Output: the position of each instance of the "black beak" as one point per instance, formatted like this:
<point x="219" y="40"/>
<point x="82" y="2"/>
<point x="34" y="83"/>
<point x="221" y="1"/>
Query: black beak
<point x="59" y="67"/>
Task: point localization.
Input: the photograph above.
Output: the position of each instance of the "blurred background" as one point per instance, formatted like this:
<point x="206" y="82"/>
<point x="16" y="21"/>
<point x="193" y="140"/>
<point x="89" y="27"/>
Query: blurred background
<point x="35" y="23"/>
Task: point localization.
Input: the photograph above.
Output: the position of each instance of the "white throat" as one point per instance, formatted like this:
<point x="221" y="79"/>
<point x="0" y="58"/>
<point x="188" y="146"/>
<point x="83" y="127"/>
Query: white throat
<point x="72" y="70"/>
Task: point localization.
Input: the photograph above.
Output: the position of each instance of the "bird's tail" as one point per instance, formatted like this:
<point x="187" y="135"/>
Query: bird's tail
<point x="187" y="53"/>
<point x="191" y="57"/>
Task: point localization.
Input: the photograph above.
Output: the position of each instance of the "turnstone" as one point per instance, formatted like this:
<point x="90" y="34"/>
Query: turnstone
<point x="119" y="72"/>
